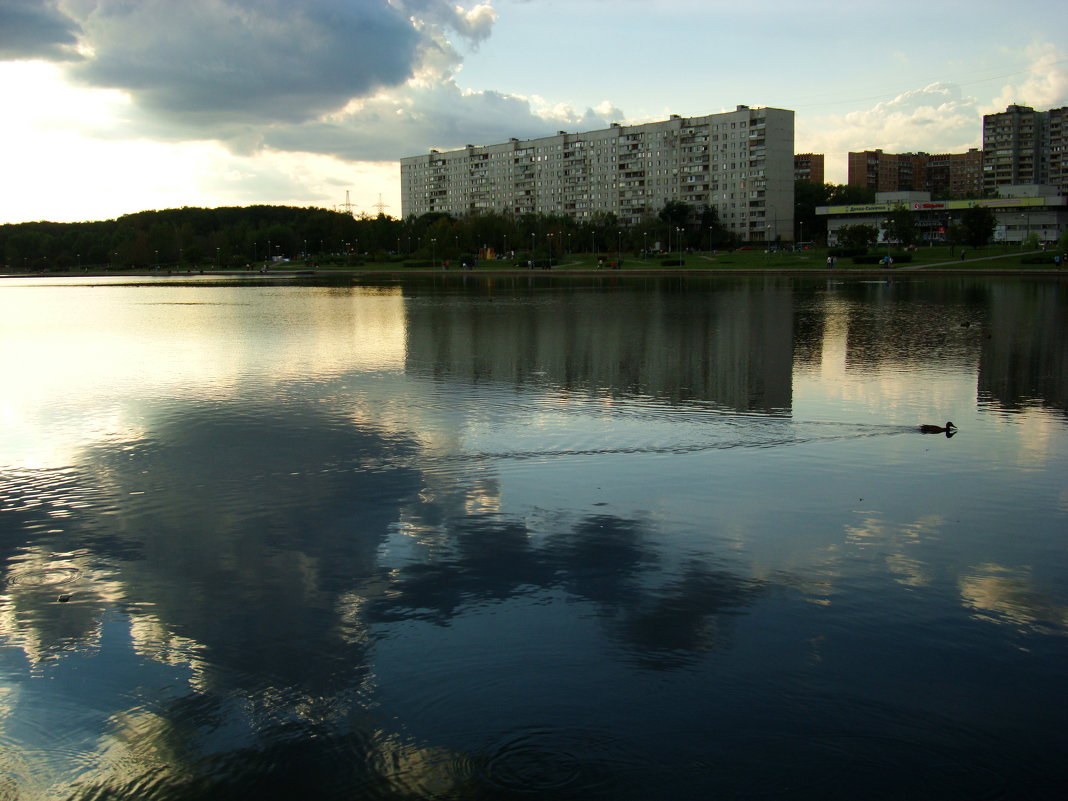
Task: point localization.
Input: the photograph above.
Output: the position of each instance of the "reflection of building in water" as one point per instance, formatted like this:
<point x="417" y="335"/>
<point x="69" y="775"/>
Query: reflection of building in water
<point x="731" y="347"/>
<point x="1024" y="355"/>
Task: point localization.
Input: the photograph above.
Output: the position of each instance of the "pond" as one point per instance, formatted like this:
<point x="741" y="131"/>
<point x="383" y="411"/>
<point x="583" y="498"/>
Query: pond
<point x="533" y="537"/>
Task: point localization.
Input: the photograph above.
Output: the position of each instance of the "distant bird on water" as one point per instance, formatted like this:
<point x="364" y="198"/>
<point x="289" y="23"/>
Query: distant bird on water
<point x="948" y="429"/>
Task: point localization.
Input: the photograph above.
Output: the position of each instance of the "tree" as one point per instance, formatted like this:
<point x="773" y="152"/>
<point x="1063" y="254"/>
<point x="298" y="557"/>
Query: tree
<point x="718" y="234"/>
<point x="954" y="235"/>
<point x="858" y="237"/>
<point x="900" y="226"/>
<point x="675" y="213"/>
<point x="807" y="196"/>
<point x="848" y="195"/>
<point x="978" y="225"/>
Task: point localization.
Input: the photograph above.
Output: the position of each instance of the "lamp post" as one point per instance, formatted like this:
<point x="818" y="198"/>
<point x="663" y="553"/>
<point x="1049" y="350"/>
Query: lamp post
<point x="433" y="250"/>
<point x="549" y="240"/>
<point x="678" y="232"/>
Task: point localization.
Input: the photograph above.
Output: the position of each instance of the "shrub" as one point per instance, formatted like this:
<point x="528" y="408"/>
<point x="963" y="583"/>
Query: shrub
<point x="672" y="262"/>
<point x="847" y="252"/>
<point x="418" y="265"/>
<point x="1038" y="258"/>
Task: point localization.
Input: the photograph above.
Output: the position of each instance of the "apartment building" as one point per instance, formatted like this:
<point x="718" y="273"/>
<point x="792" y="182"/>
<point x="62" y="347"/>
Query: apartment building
<point x="1058" y="148"/>
<point x="739" y="162"/>
<point x="943" y="175"/>
<point x="1013" y="151"/>
<point x="808" y="167"/>
<point x="1024" y="146"/>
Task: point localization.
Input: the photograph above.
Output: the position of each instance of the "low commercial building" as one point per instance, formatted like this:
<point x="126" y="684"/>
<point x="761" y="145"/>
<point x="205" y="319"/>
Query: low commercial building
<point x="739" y="162"/>
<point x="1021" y="211"/>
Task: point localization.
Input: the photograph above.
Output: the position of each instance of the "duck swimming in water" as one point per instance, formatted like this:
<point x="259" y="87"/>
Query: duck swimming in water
<point x="948" y="429"/>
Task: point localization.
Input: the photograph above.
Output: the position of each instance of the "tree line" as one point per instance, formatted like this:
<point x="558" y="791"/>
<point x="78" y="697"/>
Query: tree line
<point x="235" y="237"/>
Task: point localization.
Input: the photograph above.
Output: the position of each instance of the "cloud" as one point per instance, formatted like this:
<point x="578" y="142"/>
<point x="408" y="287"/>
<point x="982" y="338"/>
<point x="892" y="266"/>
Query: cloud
<point x="932" y="118"/>
<point x="32" y="29"/>
<point x="361" y="80"/>
<point x="206" y="65"/>
<point x="440" y="115"/>
<point x="1046" y="84"/>
<point x="938" y="118"/>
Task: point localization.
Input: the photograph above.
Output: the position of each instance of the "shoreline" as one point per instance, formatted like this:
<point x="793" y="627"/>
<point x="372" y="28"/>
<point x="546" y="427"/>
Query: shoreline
<point x="839" y="272"/>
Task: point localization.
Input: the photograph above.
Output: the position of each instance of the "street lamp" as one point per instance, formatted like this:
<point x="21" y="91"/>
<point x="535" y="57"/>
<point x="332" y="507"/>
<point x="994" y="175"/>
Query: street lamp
<point x="433" y="257"/>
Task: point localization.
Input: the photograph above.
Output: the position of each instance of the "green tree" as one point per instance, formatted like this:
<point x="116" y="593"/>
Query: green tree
<point x="858" y="237"/>
<point x="901" y="227"/>
<point x="978" y="225"/>
<point x="807" y="197"/>
<point x="675" y="213"/>
<point x="848" y="195"/>
<point x="954" y="235"/>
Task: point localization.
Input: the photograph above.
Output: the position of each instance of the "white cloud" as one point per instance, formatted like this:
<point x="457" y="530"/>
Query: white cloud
<point x="938" y="118"/>
<point x="1045" y="85"/>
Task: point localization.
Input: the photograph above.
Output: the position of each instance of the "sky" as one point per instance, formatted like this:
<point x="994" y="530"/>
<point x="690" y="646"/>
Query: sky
<point x="115" y="106"/>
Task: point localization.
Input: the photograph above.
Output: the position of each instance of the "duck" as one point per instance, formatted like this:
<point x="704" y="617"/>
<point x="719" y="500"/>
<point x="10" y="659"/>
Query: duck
<point x="948" y="429"/>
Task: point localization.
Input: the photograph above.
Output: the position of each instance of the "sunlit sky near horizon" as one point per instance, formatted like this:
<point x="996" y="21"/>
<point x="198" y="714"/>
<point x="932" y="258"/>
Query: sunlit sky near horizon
<point x="114" y="106"/>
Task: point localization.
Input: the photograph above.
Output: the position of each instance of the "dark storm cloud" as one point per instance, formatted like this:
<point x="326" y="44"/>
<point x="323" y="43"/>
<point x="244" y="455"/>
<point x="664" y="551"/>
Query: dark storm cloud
<point x="245" y="60"/>
<point x="362" y="80"/>
<point x="36" y="29"/>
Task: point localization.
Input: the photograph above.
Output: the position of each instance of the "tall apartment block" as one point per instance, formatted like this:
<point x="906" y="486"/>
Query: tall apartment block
<point x="943" y="175"/>
<point x="808" y="167"/>
<point x="739" y="162"/>
<point x="1024" y="146"/>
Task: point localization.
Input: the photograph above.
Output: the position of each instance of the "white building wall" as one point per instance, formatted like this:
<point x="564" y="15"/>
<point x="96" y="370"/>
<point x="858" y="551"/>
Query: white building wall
<point x="740" y="162"/>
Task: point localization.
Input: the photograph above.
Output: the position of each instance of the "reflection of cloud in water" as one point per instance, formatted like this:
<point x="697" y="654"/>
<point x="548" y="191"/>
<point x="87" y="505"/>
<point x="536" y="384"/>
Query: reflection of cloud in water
<point x="1008" y="596"/>
<point x="70" y="380"/>
<point x="609" y="561"/>
<point x="32" y="616"/>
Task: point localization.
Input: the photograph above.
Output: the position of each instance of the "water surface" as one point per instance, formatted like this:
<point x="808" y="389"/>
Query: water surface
<point x="533" y="538"/>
